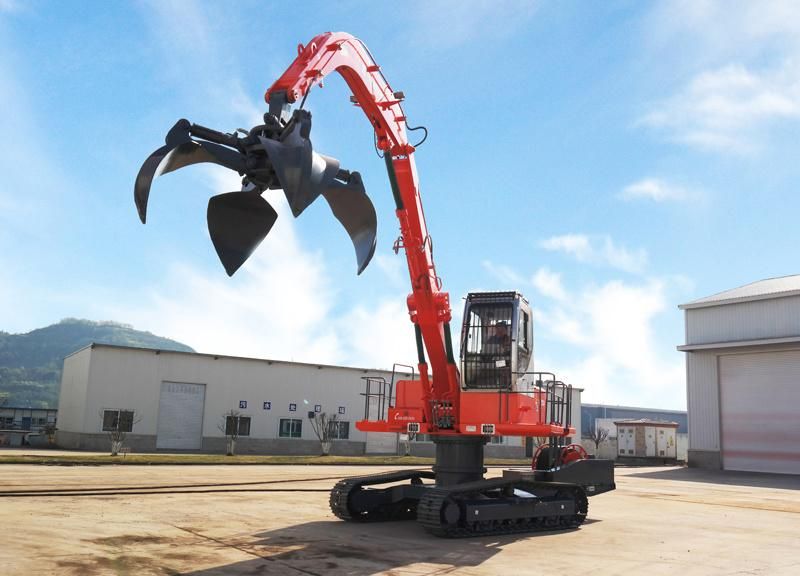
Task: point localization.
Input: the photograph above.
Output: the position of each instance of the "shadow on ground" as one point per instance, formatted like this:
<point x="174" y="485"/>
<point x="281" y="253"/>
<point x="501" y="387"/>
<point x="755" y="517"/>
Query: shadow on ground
<point x="338" y="548"/>
<point x="725" y="477"/>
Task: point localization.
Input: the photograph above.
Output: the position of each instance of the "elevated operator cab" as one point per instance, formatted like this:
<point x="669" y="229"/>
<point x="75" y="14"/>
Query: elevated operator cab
<point x="496" y="340"/>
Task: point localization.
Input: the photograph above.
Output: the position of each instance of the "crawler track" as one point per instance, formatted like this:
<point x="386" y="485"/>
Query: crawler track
<point x="499" y="506"/>
<point x="485" y="507"/>
<point x="354" y="500"/>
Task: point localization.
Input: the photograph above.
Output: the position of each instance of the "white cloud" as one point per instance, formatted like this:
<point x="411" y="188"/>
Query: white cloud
<point x="725" y="27"/>
<point x="503" y="274"/>
<point x="394" y="268"/>
<point x="620" y="360"/>
<point x="449" y="23"/>
<point x="608" y="337"/>
<point x="379" y="336"/>
<point x="279" y="305"/>
<point x="9" y="6"/>
<point x="743" y="64"/>
<point x="275" y="306"/>
<point x="728" y="108"/>
<point x="548" y="283"/>
<point x="576" y="245"/>
<point x="654" y="189"/>
<point x="600" y="251"/>
<point x="604" y="334"/>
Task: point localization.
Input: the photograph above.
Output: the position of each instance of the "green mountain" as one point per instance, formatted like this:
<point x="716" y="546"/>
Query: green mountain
<point x="30" y="364"/>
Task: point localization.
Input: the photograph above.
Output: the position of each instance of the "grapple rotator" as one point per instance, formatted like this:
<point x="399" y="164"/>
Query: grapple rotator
<point x="276" y="154"/>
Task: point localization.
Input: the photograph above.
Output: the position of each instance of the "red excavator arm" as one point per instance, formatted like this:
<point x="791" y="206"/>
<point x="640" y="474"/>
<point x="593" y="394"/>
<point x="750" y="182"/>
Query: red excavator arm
<point x="428" y="305"/>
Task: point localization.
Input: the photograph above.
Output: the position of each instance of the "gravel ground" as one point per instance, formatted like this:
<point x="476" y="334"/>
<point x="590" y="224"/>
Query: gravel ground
<point x="220" y="519"/>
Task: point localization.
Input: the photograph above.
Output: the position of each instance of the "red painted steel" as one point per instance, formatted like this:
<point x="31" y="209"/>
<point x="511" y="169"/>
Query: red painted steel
<point x="428" y="305"/>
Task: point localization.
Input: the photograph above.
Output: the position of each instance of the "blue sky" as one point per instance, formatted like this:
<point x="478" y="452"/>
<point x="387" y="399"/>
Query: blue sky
<point x="610" y="160"/>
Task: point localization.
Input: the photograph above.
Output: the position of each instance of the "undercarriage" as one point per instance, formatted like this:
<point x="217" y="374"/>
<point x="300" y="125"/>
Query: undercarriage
<point x="454" y="500"/>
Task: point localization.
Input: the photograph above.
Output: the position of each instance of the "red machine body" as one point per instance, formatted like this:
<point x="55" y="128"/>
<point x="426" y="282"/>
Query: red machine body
<point x="437" y="403"/>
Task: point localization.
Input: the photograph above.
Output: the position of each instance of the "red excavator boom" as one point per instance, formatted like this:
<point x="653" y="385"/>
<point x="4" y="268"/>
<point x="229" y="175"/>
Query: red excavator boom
<point x="428" y="304"/>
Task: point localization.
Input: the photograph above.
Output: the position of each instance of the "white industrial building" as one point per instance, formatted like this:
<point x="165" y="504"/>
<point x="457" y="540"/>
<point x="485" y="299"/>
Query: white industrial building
<point x="743" y="377"/>
<point x="178" y="401"/>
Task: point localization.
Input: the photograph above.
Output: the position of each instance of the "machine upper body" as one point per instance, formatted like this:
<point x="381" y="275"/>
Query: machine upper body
<point x="496" y="337"/>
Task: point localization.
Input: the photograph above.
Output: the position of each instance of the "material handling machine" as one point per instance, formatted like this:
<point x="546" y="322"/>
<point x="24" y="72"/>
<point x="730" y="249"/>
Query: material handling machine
<point x="460" y="404"/>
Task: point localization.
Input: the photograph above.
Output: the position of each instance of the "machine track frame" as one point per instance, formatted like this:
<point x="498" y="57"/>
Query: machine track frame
<point x="492" y="506"/>
<point x="355" y="499"/>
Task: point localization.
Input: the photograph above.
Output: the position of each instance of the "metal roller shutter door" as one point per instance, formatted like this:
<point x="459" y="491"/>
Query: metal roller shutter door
<point x="180" y="416"/>
<point x="760" y="411"/>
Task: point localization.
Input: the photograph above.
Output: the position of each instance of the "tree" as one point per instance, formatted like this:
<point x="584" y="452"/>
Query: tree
<point x="230" y="426"/>
<point x="598" y="435"/>
<point x="326" y="428"/>
<point x="117" y="424"/>
<point x="50" y="431"/>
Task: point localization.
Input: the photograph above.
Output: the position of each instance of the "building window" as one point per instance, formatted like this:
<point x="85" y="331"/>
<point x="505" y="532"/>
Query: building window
<point x="496" y="440"/>
<point x="117" y="420"/>
<point x="290" y="428"/>
<point x="240" y="423"/>
<point x="421" y="438"/>
<point x="339" y="430"/>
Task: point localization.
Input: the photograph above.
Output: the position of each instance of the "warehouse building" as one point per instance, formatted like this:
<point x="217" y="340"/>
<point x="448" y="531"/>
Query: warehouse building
<point x="743" y="377"/>
<point x="17" y="423"/>
<point x="169" y="400"/>
<point x="26" y="419"/>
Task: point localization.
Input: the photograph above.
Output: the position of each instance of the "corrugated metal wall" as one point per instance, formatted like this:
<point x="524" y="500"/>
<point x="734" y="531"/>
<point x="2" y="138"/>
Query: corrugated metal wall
<point x="72" y="395"/>
<point x="775" y="318"/>
<point x="703" y="400"/>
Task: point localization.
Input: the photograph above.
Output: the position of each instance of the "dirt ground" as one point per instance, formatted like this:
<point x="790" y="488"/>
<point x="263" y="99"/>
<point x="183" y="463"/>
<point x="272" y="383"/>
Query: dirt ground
<point x="205" y="520"/>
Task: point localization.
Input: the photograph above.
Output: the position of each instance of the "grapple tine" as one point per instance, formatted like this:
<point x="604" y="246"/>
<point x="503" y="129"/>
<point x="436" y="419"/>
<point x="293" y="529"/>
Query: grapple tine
<point x="353" y="208"/>
<point x="237" y="223"/>
<point x="141" y="188"/>
<point x="180" y="151"/>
